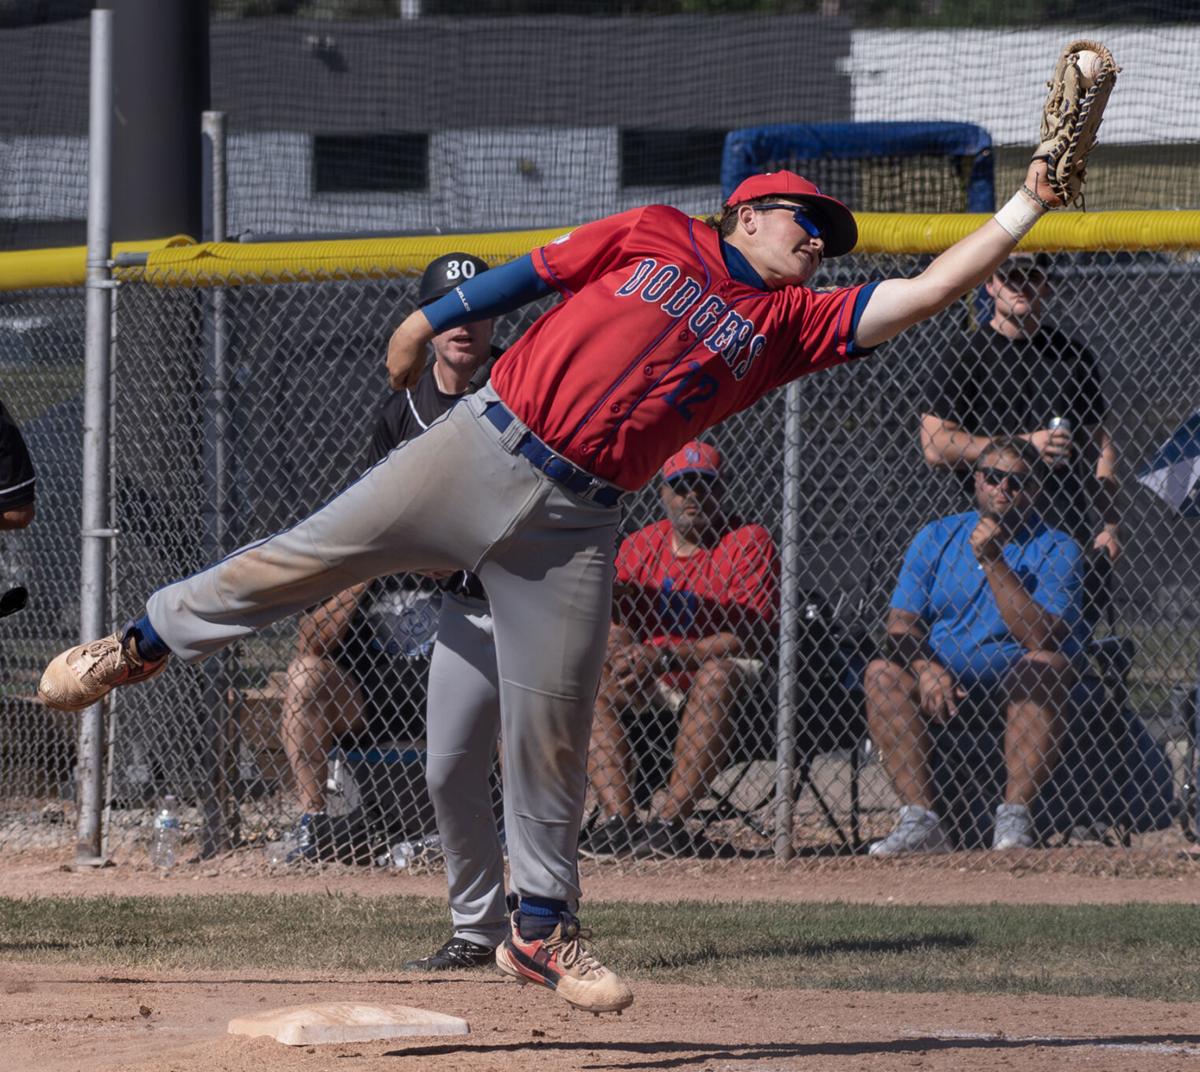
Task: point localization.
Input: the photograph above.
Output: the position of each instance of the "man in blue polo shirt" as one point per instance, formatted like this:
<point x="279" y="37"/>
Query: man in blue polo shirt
<point x="988" y="605"/>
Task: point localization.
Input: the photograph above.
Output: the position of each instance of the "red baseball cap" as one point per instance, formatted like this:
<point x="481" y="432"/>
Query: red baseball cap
<point x="693" y="457"/>
<point x="841" y="232"/>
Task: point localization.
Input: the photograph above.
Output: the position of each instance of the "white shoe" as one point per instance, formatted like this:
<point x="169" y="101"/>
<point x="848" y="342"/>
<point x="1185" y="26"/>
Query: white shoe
<point x="1014" y="827"/>
<point x="917" y="830"/>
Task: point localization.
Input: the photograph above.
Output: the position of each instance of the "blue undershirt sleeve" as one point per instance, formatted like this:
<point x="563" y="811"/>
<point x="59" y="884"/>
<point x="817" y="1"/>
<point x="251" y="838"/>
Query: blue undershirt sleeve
<point x="489" y="294"/>
<point x="860" y="303"/>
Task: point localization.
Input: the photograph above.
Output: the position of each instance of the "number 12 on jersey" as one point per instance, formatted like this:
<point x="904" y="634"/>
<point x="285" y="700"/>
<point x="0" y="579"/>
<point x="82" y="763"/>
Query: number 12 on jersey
<point x="694" y="388"/>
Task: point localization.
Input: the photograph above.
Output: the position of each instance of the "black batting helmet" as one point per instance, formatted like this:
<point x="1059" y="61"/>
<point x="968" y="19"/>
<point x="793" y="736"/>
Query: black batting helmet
<point x="447" y="272"/>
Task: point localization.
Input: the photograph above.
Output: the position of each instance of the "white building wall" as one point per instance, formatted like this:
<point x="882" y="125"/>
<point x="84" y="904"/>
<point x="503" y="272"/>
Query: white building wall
<point x="997" y="79"/>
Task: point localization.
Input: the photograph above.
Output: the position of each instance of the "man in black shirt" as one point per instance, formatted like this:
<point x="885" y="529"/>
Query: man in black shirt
<point x="1019" y="377"/>
<point x="17" y="480"/>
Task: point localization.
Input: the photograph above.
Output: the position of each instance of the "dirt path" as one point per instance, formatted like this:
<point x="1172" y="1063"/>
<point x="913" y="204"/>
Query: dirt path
<point x="1045" y="878"/>
<point x="64" y="1018"/>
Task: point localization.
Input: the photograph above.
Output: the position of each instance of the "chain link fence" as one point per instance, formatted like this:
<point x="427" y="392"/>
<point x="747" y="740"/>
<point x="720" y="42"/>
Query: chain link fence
<point x="41" y="369"/>
<point x="239" y="409"/>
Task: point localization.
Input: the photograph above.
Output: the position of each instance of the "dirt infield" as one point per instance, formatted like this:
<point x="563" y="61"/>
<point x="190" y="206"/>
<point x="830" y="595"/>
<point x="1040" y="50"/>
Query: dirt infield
<point x="63" y="1017"/>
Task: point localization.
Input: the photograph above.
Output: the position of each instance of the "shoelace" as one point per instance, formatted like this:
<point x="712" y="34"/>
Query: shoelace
<point x="98" y="653"/>
<point x="574" y="952"/>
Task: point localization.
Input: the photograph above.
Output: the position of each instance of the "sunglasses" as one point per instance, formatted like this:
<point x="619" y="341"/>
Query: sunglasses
<point x="1015" y="481"/>
<point x="692" y="484"/>
<point x="800" y="215"/>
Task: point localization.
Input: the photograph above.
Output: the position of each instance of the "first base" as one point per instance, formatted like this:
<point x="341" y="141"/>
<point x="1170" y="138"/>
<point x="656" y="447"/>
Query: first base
<point x="345" y="1021"/>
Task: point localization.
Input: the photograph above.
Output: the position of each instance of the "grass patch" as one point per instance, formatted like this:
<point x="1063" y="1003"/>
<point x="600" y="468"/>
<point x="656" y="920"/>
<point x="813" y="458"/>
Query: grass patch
<point x="1136" y="950"/>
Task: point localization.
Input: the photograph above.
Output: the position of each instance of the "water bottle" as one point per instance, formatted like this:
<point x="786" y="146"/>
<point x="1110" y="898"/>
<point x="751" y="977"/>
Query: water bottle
<point x="164" y="844"/>
<point x="401" y="855"/>
<point x="1055" y="424"/>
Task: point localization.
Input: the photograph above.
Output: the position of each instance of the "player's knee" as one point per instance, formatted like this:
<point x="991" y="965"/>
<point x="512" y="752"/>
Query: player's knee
<point x="443" y="774"/>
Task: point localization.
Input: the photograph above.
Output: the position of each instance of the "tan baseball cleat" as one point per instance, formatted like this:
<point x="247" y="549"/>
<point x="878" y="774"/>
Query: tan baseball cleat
<point x="564" y="964"/>
<point x="81" y="675"/>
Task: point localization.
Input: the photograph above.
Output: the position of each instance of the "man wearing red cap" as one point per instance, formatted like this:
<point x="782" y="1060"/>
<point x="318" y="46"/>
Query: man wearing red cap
<point x="697" y="597"/>
<point x="666" y="327"/>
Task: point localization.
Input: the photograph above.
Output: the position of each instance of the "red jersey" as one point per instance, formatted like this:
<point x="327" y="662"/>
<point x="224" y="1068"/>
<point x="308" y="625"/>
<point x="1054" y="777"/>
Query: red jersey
<point x="730" y="587"/>
<point x="656" y="342"/>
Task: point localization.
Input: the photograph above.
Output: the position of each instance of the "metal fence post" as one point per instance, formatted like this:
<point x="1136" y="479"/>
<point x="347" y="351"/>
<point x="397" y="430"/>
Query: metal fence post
<point x="219" y="741"/>
<point x="789" y="625"/>
<point x="96" y="525"/>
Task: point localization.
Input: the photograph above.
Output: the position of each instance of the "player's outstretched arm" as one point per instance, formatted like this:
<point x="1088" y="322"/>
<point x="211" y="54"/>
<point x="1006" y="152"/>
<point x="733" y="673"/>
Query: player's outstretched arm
<point x="899" y="303"/>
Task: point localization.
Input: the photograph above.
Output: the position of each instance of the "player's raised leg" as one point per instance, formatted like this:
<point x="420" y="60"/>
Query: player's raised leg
<point x="550" y="596"/>
<point x="420" y="508"/>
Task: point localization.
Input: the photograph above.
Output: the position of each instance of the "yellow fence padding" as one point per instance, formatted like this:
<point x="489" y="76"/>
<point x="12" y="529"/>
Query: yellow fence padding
<point x="1058" y="232"/>
<point x="32" y="269"/>
<point x="359" y="258"/>
<point x="178" y="261"/>
<point x="229" y="263"/>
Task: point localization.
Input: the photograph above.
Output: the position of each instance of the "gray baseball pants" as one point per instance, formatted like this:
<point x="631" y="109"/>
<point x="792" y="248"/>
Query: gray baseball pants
<point x="456" y="497"/>
<point x="463" y="726"/>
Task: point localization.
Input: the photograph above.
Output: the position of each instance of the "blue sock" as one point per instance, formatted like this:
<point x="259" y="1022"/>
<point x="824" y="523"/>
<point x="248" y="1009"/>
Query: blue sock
<point x="150" y="646"/>
<point x="539" y="916"/>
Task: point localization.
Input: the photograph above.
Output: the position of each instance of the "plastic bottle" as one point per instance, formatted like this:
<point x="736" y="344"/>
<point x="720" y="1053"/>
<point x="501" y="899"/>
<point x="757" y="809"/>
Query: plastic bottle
<point x="164" y="843"/>
<point x="402" y="854"/>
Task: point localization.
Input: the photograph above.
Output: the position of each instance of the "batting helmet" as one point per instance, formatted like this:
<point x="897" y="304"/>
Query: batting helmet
<point x="444" y="274"/>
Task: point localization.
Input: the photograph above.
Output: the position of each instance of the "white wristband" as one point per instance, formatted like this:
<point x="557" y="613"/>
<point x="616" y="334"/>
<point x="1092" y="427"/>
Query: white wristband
<point x="1019" y="215"/>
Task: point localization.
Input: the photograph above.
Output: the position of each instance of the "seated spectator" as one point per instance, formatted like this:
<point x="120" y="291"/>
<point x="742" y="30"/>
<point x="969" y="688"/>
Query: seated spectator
<point x="987" y="606"/>
<point x="696" y="602"/>
<point x="361" y="659"/>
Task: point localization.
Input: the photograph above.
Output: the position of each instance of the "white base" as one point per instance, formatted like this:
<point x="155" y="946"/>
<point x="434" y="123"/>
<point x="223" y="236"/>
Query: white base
<point x="345" y="1021"/>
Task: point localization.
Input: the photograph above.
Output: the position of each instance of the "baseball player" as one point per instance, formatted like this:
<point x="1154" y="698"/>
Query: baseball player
<point x="463" y="700"/>
<point x="17" y="480"/>
<point x="667" y="325"/>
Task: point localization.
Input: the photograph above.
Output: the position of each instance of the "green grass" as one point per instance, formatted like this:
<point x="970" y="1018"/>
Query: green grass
<point x="1136" y="950"/>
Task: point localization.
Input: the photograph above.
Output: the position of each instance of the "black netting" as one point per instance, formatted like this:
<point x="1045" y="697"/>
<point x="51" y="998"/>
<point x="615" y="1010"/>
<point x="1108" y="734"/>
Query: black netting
<point x="440" y="121"/>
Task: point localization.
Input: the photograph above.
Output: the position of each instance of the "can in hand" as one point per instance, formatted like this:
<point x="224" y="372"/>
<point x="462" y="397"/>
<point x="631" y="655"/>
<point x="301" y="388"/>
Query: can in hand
<point x="1057" y="423"/>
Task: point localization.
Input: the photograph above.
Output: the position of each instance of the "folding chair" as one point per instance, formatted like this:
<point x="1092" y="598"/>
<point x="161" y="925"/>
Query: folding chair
<point x="831" y="718"/>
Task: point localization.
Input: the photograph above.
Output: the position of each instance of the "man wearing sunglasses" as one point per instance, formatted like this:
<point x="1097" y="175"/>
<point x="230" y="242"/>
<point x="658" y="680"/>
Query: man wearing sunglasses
<point x="696" y="602"/>
<point x="1015" y="376"/>
<point x="987" y="607"/>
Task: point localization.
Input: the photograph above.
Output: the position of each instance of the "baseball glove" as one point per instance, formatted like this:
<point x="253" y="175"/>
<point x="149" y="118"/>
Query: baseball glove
<point x="1072" y="116"/>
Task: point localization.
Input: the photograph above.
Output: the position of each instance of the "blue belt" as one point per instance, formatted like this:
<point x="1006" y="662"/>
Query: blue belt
<point x="558" y="469"/>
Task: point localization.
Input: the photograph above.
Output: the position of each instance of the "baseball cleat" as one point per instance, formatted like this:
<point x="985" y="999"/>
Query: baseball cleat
<point x="563" y="963"/>
<point x="456" y="955"/>
<point x="81" y="675"/>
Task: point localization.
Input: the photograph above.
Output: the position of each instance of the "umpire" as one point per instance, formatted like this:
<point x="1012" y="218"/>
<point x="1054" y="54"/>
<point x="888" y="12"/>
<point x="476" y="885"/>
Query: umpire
<point x="17" y="479"/>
